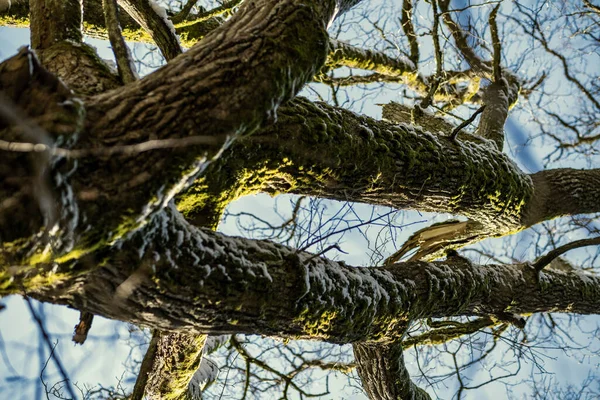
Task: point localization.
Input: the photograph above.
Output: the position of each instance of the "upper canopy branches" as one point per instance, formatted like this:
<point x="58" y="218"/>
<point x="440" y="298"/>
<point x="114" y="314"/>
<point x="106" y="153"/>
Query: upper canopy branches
<point x="266" y="53"/>
<point x="219" y="121"/>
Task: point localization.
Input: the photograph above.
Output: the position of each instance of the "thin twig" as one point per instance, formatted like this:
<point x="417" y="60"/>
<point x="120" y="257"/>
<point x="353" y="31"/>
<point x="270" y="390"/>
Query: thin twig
<point x="496" y="44"/>
<point x="328" y="248"/>
<point x="53" y="354"/>
<point x="457" y="130"/>
<point x="552" y="254"/>
<point x="439" y="62"/>
<point x="184" y="12"/>
<point x="130" y="149"/>
<point x="409" y="30"/>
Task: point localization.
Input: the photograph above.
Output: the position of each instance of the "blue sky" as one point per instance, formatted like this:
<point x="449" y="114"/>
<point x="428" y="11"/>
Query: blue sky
<point x="101" y="359"/>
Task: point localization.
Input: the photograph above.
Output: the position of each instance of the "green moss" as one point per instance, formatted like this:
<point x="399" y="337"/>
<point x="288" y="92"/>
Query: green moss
<point x="14" y="21"/>
<point x="317" y="325"/>
<point x="183" y="369"/>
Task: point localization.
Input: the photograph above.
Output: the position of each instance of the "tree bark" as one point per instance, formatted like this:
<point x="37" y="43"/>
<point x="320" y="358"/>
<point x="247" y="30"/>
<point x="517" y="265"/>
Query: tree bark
<point x="168" y="366"/>
<point x="161" y="30"/>
<point x="324" y="151"/>
<point x="175" y="277"/>
<point x="266" y="51"/>
<point x="383" y="373"/>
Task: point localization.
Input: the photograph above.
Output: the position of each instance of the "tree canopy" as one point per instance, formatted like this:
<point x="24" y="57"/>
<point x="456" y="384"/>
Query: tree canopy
<point x="113" y="187"/>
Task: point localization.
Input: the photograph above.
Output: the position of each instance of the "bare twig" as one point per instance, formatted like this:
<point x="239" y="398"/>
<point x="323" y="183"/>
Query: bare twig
<point x="443" y="334"/>
<point x="325" y="250"/>
<point x="53" y="354"/>
<point x="184" y="12"/>
<point x="457" y="130"/>
<point x="547" y="259"/>
<point x="139" y="388"/>
<point x="409" y="30"/>
<point x="496" y="44"/>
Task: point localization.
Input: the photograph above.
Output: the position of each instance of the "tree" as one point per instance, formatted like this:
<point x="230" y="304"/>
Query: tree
<point x="118" y="183"/>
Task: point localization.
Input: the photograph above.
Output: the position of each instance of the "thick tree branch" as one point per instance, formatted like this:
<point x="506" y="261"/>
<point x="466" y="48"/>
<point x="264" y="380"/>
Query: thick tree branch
<point x="168" y="275"/>
<point x="55" y="21"/>
<point x="316" y="149"/>
<point x="563" y="191"/>
<point x="56" y="36"/>
<point x="153" y="18"/>
<point x="280" y="55"/>
<point x="392" y="69"/>
<point x="446" y="334"/>
<point x="383" y="373"/>
<point x="324" y="151"/>
<point x="139" y="389"/>
<point x="496" y="103"/>
<point x="122" y="54"/>
<point x="190" y="31"/>
<point x="345" y="55"/>
<point x="402" y="114"/>
<point x="169" y="365"/>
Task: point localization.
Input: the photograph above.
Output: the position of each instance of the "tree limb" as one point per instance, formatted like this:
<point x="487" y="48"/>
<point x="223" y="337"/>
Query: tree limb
<point x="409" y="30"/>
<point x="446" y="334"/>
<point x="123" y="58"/>
<point x="317" y="298"/>
<point x="153" y="18"/>
<point x="383" y="373"/>
<point x="548" y="258"/>
<point x="343" y="54"/>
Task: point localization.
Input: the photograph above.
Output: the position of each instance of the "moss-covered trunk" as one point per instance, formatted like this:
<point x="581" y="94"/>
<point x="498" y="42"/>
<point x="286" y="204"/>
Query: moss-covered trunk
<point x="175" y="277"/>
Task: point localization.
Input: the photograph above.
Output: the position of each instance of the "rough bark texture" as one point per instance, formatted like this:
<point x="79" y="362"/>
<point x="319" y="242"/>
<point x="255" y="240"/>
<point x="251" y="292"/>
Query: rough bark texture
<point x="168" y="275"/>
<point x="494" y="116"/>
<point x="56" y="37"/>
<point x="143" y="12"/>
<point x="383" y="373"/>
<point x="54" y="21"/>
<point x="113" y="247"/>
<point x="265" y="51"/>
<point x="319" y="150"/>
<point x="174" y="360"/>
<point x="564" y="191"/>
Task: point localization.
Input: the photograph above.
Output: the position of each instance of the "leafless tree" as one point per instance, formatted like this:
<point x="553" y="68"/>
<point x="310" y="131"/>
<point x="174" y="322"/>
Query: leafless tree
<point x="112" y="186"/>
